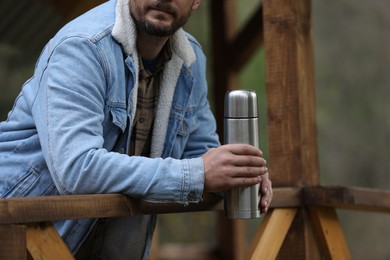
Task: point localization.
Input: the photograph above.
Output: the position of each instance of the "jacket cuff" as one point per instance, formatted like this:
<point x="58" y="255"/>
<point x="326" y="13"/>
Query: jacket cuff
<point x="193" y="180"/>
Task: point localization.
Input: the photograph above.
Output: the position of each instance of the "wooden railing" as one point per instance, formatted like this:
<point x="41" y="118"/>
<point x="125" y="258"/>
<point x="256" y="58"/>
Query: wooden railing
<point x="26" y="222"/>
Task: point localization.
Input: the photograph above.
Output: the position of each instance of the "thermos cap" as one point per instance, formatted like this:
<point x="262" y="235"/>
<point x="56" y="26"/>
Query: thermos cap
<point x="241" y="104"/>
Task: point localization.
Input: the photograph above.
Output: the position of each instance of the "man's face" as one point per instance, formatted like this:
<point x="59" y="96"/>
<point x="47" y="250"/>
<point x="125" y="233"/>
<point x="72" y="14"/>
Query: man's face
<point x="161" y="17"/>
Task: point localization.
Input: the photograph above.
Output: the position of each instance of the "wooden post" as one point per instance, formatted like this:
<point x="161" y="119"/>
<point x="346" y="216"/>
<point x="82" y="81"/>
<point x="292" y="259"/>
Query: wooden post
<point x="13" y="242"/>
<point x="293" y="159"/>
<point x="290" y="92"/>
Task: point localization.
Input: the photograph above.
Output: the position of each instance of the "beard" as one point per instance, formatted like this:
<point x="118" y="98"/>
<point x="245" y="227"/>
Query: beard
<point x="159" y="29"/>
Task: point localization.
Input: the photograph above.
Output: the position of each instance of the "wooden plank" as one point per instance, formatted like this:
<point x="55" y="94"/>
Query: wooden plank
<point x="41" y="209"/>
<point x="271" y="234"/>
<point x="43" y="242"/>
<point x="290" y="86"/>
<point x="286" y="197"/>
<point x="353" y="198"/>
<point x="329" y="233"/>
<point x="13" y="242"/>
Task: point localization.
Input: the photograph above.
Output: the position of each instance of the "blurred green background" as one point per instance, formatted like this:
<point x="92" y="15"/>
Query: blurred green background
<point x="352" y="57"/>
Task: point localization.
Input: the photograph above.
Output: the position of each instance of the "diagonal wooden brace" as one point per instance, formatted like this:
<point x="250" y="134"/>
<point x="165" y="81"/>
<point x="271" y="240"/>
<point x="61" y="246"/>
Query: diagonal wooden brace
<point x="271" y="234"/>
<point x="329" y="233"/>
<point x="43" y="242"/>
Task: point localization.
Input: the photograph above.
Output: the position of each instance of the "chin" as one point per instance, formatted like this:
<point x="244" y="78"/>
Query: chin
<point x="159" y="30"/>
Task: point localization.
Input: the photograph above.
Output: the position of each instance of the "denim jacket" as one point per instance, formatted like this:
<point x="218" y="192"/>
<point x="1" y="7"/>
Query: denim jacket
<point x="68" y="132"/>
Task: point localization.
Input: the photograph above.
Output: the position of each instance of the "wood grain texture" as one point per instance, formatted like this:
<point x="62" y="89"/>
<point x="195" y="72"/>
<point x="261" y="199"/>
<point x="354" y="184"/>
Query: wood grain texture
<point x="290" y="86"/>
<point x="13" y="242"/>
<point x="271" y="234"/>
<point x="329" y="233"/>
<point x="50" y="208"/>
<point x="43" y="242"/>
<point x="353" y="198"/>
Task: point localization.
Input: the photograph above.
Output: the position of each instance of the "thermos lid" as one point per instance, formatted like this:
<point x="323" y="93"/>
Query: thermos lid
<point x="241" y="104"/>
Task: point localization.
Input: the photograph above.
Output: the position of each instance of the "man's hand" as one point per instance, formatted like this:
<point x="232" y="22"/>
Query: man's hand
<point x="265" y="193"/>
<point x="237" y="165"/>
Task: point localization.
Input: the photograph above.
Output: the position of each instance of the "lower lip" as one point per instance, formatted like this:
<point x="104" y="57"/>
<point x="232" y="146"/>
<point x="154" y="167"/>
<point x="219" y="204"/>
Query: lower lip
<point x="160" y="12"/>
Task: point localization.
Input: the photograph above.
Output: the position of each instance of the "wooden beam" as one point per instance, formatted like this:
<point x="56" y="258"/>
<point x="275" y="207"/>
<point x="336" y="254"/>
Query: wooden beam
<point x="287" y="197"/>
<point x="43" y="242"/>
<point x="329" y="233"/>
<point x="352" y="198"/>
<point x="41" y="209"/>
<point x="290" y="87"/>
<point x="271" y="234"/>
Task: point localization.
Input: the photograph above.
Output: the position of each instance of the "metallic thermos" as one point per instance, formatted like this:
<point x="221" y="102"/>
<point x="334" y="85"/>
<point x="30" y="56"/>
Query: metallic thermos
<point x="241" y="126"/>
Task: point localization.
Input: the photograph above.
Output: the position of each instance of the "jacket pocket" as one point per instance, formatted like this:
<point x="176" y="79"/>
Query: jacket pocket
<point x="183" y="124"/>
<point x="189" y="124"/>
<point x="24" y="184"/>
<point x="114" y="124"/>
<point x="119" y="117"/>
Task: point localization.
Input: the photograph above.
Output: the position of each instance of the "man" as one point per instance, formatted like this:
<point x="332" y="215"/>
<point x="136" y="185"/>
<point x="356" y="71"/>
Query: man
<point x="117" y="104"/>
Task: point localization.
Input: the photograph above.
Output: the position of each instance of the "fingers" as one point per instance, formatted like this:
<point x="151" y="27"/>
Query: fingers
<point x="248" y="160"/>
<point x="244" y="149"/>
<point x="248" y="171"/>
<point x="233" y="165"/>
<point x="246" y="182"/>
<point x="266" y="194"/>
<point x="238" y="165"/>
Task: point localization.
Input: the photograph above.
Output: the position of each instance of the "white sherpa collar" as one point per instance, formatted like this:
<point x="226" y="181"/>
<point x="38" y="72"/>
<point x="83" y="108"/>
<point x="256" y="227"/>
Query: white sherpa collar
<point x="124" y="32"/>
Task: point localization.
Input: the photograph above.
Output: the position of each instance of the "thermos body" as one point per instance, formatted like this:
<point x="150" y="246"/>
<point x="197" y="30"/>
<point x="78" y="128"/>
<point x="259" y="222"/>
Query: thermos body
<point x="241" y="125"/>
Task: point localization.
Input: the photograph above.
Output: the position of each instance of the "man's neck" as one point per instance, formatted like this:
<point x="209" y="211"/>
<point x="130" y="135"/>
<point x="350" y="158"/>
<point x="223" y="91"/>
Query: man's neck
<point x="150" y="46"/>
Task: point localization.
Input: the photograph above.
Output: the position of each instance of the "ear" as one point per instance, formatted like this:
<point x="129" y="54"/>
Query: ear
<point x="195" y="4"/>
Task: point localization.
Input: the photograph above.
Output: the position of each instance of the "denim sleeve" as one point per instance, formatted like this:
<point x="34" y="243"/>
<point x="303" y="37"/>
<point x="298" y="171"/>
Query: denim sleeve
<point x="68" y="110"/>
